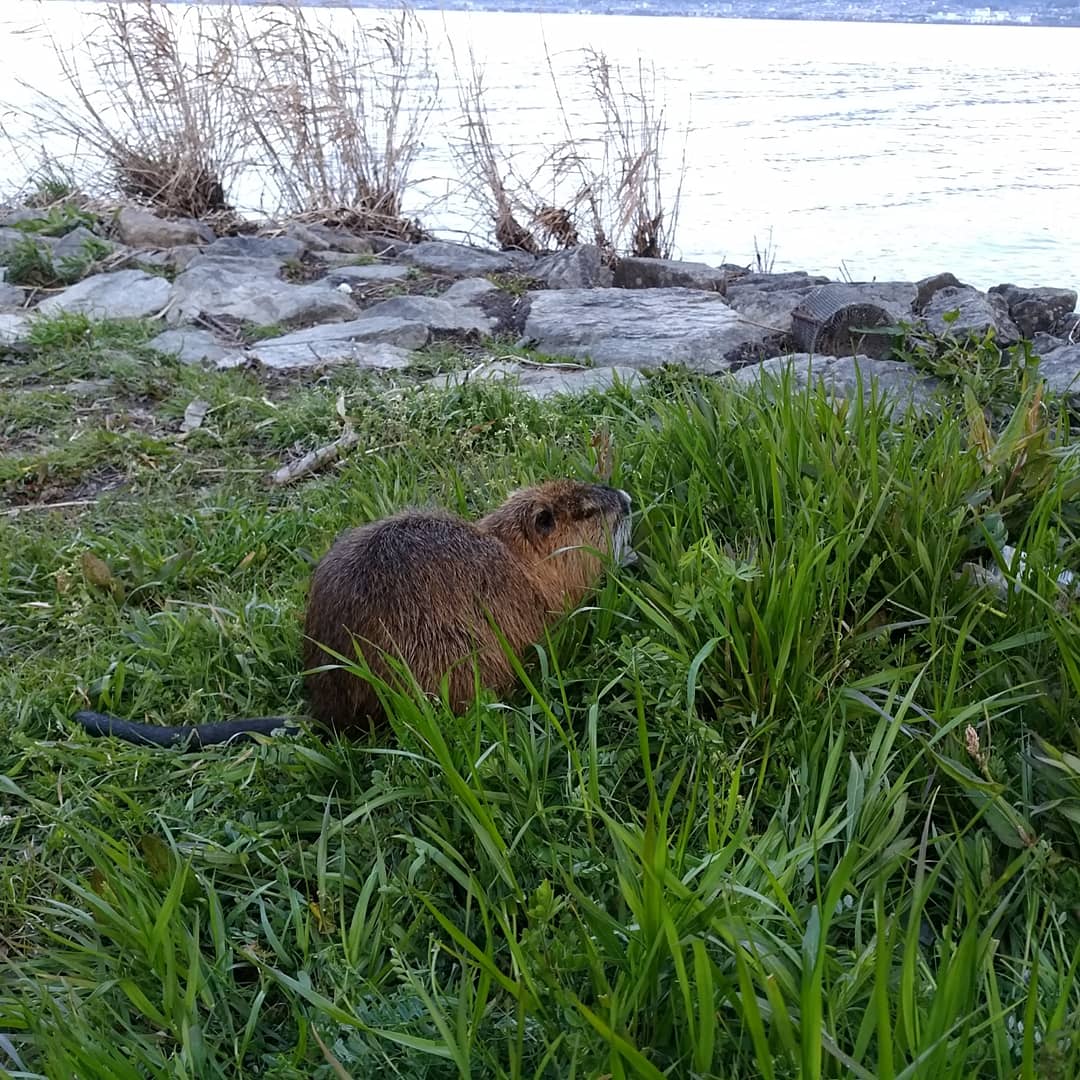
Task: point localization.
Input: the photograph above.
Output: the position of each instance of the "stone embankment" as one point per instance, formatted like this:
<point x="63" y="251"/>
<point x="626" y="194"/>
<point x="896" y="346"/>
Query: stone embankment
<point x="302" y="297"/>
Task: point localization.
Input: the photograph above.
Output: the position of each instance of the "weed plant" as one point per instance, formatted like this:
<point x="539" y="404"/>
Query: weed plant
<point x="794" y="797"/>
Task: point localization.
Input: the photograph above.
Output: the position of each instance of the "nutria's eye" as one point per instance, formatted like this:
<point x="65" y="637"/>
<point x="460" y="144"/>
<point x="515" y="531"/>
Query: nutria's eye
<point x="545" y="521"/>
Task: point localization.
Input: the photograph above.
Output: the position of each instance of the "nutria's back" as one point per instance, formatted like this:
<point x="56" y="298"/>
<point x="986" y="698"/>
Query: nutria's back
<point x="420" y="586"/>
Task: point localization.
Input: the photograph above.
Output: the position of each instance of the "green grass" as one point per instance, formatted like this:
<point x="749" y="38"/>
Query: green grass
<point x="791" y="798"/>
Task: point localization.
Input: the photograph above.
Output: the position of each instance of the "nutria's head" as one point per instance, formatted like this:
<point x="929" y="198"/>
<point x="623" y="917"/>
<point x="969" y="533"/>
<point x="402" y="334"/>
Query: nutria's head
<point x="562" y="528"/>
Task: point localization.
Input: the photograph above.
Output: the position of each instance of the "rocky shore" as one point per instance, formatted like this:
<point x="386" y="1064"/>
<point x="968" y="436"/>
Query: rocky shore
<point x="302" y="297"/>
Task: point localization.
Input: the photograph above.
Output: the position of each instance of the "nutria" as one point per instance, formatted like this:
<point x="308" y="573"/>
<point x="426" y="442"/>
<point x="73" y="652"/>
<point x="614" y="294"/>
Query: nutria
<point x="420" y="586"/>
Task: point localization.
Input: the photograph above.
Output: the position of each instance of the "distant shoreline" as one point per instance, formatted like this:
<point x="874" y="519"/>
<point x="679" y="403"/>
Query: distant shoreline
<point x="1059" y="20"/>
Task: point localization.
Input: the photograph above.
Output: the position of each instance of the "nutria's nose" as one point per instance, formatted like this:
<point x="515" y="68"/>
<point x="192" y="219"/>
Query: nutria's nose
<point x="626" y="500"/>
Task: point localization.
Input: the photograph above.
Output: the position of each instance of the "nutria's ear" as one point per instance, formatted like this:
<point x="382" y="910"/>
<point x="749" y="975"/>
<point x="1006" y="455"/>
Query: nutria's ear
<point x="544" y="521"/>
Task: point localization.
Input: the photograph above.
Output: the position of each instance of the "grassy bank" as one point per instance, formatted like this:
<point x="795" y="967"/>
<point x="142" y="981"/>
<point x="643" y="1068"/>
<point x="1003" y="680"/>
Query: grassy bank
<point x="773" y="805"/>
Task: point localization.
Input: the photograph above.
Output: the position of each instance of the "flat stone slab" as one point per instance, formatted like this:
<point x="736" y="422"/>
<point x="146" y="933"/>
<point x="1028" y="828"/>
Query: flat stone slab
<point x="121" y="294"/>
<point x="192" y="346"/>
<point x="441" y="257"/>
<point x="434" y="312"/>
<point x="541" y="380"/>
<point x="366" y="275"/>
<point x="642" y="328"/>
<point x="251" y="292"/>
<point x="898" y="382"/>
<point x="345" y="342"/>
<point x="636" y="273"/>
<point x="257" y="247"/>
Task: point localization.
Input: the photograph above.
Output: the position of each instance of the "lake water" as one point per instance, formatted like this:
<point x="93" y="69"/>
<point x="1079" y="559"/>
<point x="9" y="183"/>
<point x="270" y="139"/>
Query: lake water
<point x="876" y="150"/>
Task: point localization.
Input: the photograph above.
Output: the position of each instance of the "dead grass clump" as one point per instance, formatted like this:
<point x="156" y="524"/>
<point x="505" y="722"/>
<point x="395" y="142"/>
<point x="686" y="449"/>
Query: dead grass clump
<point x="147" y="106"/>
<point x="505" y="198"/>
<point x="337" y="103"/>
<point x="622" y="184"/>
<point x="604" y="181"/>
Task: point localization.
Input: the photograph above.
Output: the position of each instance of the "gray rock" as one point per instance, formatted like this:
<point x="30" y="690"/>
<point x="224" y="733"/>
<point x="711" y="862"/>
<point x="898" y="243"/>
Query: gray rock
<point x="578" y="267"/>
<point x="192" y="346"/>
<point x="433" y="312"/>
<point x="141" y="229"/>
<point x="253" y="266"/>
<point x="72" y="245"/>
<point x="122" y="294"/>
<point x="635" y="273"/>
<point x="252" y="294"/>
<point x="1060" y="368"/>
<point x="1036" y="311"/>
<point x="442" y="257"/>
<point x="14" y="328"/>
<point x="469" y="290"/>
<point x="11" y="296"/>
<point x="642" y="328"/>
<point x="793" y="279"/>
<point x="177" y="258"/>
<point x="20" y="214"/>
<point x="899" y="383"/>
<point x="256" y="247"/>
<point x="977" y="313"/>
<point x="542" y="380"/>
<point x="12" y="238"/>
<point x="333" y="239"/>
<point x="338" y="343"/>
<point x="926" y="288"/>
<point x="366" y="275"/>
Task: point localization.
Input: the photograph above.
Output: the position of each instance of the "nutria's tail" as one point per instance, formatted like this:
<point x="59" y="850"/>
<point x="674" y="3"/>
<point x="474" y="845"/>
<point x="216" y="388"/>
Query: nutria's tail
<point x="198" y="734"/>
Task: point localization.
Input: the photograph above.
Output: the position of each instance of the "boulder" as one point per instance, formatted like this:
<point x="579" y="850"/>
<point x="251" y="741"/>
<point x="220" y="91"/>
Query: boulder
<point x="643" y="328"/>
<point x="247" y="289"/>
<point x="1036" y="311"/>
<point x="139" y="228"/>
<point x="192" y="346"/>
<point x="345" y="342"/>
<point x="578" y="267"/>
<point x="442" y="257"/>
<point x="927" y="287"/>
<point x="122" y="294"/>
<point x="635" y="273"/>
<point x="542" y="380"/>
<point x="897" y="383"/>
<point x="976" y="314"/>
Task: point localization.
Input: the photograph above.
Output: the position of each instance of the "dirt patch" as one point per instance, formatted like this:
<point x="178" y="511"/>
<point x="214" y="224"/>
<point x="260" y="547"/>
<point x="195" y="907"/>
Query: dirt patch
<point x="508" y="311"/>
<point x="35" y="488"/>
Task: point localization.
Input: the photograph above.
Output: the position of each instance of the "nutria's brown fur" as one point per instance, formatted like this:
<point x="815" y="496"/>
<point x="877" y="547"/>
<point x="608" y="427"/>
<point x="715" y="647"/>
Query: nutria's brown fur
<point x="420" y="585"/>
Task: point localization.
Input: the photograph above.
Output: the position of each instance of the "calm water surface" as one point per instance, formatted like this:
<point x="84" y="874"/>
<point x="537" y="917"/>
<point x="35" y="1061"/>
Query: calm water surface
<point x="888" y="151"/>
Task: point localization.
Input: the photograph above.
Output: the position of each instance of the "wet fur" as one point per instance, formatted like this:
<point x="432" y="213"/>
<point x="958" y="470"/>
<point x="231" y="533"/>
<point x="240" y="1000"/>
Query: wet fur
<point x="419" y="586"/>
